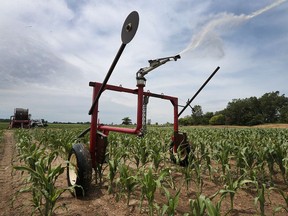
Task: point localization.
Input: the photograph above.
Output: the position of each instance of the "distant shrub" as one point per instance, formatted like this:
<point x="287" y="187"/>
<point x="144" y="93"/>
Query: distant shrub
<point x="217" y="120"/>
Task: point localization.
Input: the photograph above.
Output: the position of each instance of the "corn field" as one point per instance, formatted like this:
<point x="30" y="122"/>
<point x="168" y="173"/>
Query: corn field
<point x="223" y="164"/>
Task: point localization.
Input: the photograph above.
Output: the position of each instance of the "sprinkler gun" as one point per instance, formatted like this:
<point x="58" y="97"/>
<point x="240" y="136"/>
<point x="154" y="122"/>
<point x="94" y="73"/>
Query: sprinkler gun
<point x="154" y="64"/>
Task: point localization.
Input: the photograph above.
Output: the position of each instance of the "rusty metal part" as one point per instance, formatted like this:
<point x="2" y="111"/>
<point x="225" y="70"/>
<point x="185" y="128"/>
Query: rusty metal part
<point x="102" y="142"/>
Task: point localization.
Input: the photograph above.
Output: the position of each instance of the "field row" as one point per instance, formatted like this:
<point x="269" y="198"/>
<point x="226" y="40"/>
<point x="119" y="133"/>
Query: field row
<point x="228" y="160"/>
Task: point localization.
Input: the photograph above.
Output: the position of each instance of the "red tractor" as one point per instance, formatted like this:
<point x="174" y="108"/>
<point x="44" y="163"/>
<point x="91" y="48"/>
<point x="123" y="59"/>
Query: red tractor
<point x="20" y="119"/>
<point x="82" y="160"/>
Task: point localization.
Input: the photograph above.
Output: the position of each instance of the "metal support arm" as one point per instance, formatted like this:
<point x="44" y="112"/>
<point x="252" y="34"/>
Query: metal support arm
<point x="199" y="90"/>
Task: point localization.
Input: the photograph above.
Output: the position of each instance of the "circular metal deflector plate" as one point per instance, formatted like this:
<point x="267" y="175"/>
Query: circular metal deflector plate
<point x="130" y="27"/>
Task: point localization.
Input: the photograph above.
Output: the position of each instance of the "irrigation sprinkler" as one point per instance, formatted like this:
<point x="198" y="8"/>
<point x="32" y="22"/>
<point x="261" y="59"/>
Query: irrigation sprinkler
<point x="81" y="160"/>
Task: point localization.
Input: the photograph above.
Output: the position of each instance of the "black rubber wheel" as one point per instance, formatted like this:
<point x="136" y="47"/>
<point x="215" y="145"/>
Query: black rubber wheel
<point x="79" y="169"/>
<point x="181" y="158"/>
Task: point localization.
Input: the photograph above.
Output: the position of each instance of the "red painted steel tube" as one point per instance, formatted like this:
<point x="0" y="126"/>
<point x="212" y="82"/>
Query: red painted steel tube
<point x="138" y="128"/>
<point x="119" y="129"/>
<point x="140" y="93"/>
<point x="93" y="127"/>
<point x="175" y="104"/>
<point x="106" y="129"/>
<point x="140" y="107"/>
<point x="135" y="91"/>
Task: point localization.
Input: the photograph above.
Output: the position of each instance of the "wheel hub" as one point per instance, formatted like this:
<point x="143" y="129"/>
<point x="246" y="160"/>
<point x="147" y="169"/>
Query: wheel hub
<point x="73" y="169"/>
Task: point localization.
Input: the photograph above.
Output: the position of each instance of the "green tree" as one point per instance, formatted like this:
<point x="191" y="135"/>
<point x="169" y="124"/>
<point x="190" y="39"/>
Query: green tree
<point x="271" y="105"/>
<point x="197" y="115"/>
<point x="206" y="117"/>
<point x="284" y="114"/>
<point x="269" y="108"/>
<point x="126" y="121"/>
<point x="186" y="120"/>
<point x="243" y="112"/>
<point x="217" y="120"/>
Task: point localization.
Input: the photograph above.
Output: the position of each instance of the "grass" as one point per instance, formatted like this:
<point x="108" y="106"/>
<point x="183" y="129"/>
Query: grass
<point x="4" y="125"/>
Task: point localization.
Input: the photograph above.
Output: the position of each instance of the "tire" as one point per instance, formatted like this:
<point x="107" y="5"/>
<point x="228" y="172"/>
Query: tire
<point x="79" y="170"/>
<point x="183" y="160"/>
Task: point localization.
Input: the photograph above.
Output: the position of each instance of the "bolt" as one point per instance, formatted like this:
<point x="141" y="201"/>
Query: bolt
<point x="129" y="27"/>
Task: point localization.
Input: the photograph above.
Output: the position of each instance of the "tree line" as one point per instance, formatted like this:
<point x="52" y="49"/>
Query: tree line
<point x="269" y="108"/>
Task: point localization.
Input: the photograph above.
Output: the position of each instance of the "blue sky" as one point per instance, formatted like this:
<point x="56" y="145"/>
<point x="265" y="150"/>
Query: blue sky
<point x="50" y="50"/>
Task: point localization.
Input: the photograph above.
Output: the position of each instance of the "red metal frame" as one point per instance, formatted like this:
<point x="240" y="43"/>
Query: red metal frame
<point x="96" y="126"/>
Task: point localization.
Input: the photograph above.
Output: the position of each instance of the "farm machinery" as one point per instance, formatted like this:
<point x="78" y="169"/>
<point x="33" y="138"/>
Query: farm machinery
<point x="38" y="123"/>
<point x="82" y="160"/>
<point x="20" y="119"/>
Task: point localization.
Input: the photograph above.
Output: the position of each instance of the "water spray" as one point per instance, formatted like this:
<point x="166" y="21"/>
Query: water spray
<point x="223" y="21"/>
<point x="258" y="12"/>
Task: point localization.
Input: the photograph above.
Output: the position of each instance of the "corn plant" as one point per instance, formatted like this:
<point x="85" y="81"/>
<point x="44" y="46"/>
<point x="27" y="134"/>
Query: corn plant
<point x="29" y="152"/>
<point x="208" y="158"/>
<point x="285" y="164"/>
<point x="197" y="206"/>
<point x="60" y="140"/>
<point x="116" y="154"/>
<point x="247" y="160"/>
<point x="280" y="155"/>
<point x="149" y="184"/>
<point x="198" y="176"/>
<point x="42" y="181"/>
<point x="161" y="211"/>
<point x="156" y="154"/>
<point x="223" y="153"/>
<point x="285" y="197"/>
<point x="188" y="171"/>
<point x="42" y="175"/>
<point x="261" y="163"/>
<point x="213" y="210"/>
<point x="231" y="186"/>
<point x="126" y="181"/>
<point x="140" y="151"/>
<point x="172" y="202"/>
<point x="202" y="205"/>
<point x="113" y="164"/>
<point x="260" y="197"/>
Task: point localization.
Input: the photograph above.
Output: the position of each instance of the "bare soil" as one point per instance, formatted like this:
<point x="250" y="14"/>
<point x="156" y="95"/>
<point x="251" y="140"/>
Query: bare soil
<point x="100" y="202"/>
<point x="6" y="184"/>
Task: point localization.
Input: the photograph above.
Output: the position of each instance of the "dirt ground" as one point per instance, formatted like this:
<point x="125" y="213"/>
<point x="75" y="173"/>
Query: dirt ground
<point x="99" y="202"/>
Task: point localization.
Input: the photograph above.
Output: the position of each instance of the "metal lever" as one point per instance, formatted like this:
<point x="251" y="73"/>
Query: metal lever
<point x="199" y="90"/>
